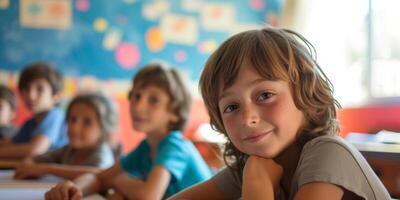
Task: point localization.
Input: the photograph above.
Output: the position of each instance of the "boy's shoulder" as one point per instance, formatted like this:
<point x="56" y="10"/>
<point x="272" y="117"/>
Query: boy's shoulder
<point x="57" y="111"/>
<point x="333" y="160"/>
<point x="330" y="149"/>
<point x="175" y="138"/>
<point x="328" y="140"/>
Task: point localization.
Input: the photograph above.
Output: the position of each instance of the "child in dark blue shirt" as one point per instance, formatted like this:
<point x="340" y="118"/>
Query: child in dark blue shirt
<point x="40" y="87"/>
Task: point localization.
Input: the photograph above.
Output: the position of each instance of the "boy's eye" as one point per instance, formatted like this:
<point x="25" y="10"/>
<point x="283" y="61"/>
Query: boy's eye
<point x="230" y="108"/>
<point x="263" y="96"/>
<point x="72" y="119"/>
<point x="153" y="100"/>
<point x="39" y="88"/>
<point x="136" y="96"/>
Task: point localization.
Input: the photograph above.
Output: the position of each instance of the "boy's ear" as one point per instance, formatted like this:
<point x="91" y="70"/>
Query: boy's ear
<point x="174" y="118"/>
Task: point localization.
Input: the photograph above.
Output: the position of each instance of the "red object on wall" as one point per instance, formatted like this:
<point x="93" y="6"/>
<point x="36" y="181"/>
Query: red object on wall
<point x="369" y="119"/>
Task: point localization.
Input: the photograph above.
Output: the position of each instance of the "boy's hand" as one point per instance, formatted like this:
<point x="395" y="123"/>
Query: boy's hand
<point x="63" y="191"/>
<point x="28" y="169"/>
<point x="261" y="170"/>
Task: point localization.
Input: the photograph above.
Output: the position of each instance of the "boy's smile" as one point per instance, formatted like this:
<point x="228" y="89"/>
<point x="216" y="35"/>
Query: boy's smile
<point x="259" y="115"/>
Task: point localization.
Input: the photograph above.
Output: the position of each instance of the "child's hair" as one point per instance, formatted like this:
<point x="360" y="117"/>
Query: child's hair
<point x="171" y="81"/>
<point x="38" y="70"/>
<point x="106" y="111"/>
<point x="276" y="54"/>
<point x="9" y="96"/>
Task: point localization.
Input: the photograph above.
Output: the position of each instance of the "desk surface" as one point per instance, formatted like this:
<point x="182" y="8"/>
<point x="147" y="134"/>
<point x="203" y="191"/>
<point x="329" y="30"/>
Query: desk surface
<point x="29" y="189"/>
<point x="377" y="147"/>
<point x="371" y="146"/>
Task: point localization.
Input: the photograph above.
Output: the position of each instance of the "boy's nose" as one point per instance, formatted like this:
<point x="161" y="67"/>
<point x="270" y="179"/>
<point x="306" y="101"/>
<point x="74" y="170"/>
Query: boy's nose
<point x="139" y="105"/>
<point x="73" y="128"/>
<point x="32" y="94"/>
<point x="250" y="116"/>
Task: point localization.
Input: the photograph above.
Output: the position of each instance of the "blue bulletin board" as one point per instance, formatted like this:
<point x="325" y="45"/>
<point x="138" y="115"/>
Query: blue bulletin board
<point x="113" y="39"/>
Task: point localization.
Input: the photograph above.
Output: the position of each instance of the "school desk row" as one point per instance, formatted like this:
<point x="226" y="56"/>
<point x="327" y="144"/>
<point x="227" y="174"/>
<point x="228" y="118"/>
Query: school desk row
<point x="383" y="158"/>
<point x="11" y="189"/>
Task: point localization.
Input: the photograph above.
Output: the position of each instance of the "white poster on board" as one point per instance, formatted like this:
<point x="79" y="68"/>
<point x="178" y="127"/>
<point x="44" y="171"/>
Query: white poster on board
<point x="53" y="14"/>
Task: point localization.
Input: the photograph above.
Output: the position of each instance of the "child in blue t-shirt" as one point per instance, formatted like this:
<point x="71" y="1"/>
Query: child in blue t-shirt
<point x="40" y="87"/>
<point x="91" y="118"/>
<point x="164" y="163"/>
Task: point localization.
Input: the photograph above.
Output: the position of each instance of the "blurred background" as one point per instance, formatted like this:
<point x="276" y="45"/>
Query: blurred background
<point x="101" y="44"/>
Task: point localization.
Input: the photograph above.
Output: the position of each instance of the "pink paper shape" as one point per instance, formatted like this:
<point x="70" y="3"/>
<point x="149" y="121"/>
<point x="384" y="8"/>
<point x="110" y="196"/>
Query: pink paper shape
<point x="127" y="55"/>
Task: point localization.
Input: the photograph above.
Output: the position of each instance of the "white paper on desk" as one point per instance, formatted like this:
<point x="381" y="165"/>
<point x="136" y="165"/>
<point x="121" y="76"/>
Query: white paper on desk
<point x="7" y="176"/>
<point x="385" y="136"/>
<point x="33" y="194"/>
<point x="22" y="193"/>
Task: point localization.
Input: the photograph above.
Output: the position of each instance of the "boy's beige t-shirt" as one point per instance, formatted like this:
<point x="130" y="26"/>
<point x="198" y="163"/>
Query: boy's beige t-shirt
<point x="327" y="159"/>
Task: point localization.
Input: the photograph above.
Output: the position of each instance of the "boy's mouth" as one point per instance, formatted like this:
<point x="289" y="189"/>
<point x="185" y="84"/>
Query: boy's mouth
<point x="138" y="119"/>
<point x="255" y="137"/>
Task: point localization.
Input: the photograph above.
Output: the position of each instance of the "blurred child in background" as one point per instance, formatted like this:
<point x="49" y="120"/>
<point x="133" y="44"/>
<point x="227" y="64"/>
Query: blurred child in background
<point x="163" y="163"/>
<point x="91" y="119"/>
<point x="40" y="87"/>
<point x="8" y="106"/>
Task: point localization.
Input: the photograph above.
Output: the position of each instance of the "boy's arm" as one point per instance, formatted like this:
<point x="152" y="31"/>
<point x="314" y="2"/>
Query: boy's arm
<point x="84" y="185"/>
<point x="319" y="190"/>
<point x="38" y="145"/>
<point x="153" y="188"/>
<point x="261" y="178"/>
<point x="203" y="190"/>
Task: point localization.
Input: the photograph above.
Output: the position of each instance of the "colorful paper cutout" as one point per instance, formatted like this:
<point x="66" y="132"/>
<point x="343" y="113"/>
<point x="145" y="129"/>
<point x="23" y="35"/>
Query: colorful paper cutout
<point x="34" y="8"/>
<point x="272" y="19"/>
<point x="153" y="11"/>
<point x="82" y="5"/>
<point x="179" y="29"/>
<point x="154" y="39"/>
<point x="180" y="56"/>
<point x="46" y="14"/>
<point x="112" y="38"/>
<point x="217" y="17"/>
<point x="257" y="4"/>
<point x="57" y="10"/>
<point x="208" y="46"/>
<point x="127" y="55"/>
<point x="100" y="24"/>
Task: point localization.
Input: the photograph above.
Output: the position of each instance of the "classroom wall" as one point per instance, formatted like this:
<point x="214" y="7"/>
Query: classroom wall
<point x="101" y="44"/>
<point x="113" y="39"/>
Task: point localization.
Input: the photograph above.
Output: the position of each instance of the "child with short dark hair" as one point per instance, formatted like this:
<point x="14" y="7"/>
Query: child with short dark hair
<point x="40" y="86"/>
<point x="265" y="92"/>
<point x="164" y="162"/>
<point x="91" y="118"/>
<point x="8" y="105"/>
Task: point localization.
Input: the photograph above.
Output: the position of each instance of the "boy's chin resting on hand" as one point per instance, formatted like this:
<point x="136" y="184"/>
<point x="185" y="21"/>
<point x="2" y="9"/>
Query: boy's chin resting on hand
<point x="261" y="178"/>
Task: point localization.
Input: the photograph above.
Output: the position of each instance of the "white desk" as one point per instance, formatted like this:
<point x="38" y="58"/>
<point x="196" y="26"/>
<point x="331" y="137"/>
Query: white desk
<point x="370" y="147"/>
<point x="11" y="189"/>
